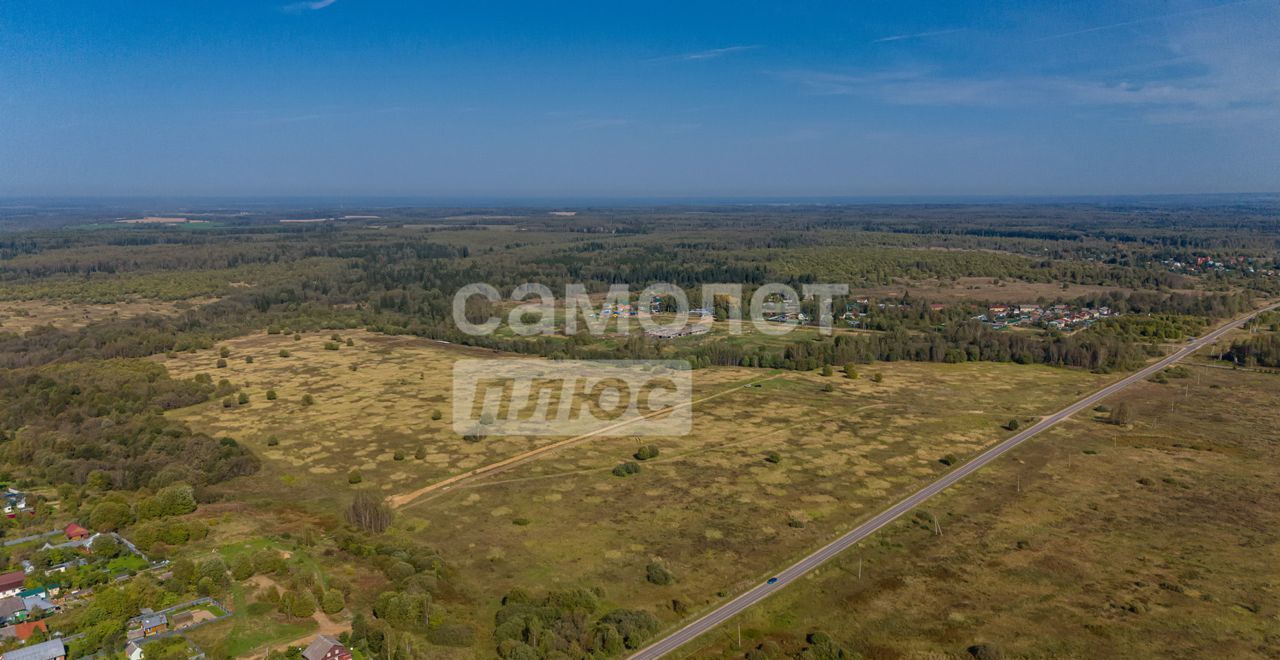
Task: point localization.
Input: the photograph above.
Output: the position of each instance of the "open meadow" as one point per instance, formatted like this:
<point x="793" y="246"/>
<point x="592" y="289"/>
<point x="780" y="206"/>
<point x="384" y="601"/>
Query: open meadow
<point x="1156" y="539"/>
<point x="776" y="464"/>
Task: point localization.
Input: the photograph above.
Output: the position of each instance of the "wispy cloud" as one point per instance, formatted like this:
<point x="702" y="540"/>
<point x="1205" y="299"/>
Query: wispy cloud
<point x="1143" y="21"/>
<point x="702" y="54"/>
<point x="309" y="5"/>
<point x="1216" y="70"/>
<point x="603" y="122"/>
<point x="917" y="35"/>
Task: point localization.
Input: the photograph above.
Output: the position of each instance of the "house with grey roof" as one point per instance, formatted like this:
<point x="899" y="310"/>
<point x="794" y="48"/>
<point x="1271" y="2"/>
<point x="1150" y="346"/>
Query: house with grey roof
<point x="53" y="649"/>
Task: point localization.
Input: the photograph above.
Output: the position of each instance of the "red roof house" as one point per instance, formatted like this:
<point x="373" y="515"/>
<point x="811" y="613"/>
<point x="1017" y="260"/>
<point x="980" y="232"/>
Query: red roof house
<point x="75" y="532"/>
<point x="24" y="631"/>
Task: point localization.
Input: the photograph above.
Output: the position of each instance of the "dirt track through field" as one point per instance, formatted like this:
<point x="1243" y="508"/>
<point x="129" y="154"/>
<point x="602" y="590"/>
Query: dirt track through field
<point x="403" y="499"/>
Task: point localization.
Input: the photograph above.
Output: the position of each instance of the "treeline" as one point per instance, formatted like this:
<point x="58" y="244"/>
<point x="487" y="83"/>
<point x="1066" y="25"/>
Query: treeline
<point x="1261" y="350"/>
<point x="566" y="624"/>
<point x="64" y="423"/>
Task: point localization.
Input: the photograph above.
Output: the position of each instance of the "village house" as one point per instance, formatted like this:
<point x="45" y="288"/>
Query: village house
<point x="14" y="501"/>
<point x="11" y="583"/>
<point x="37" y="600"/>
<point x="53" y="649"/>
<point x="325" y="647"/>
<point x="133" y="650"/>
<point x="23" y="631"/>
<point x="74" y="532"/>
<point x="12" y="610"/>
<point x="147" y="625"/>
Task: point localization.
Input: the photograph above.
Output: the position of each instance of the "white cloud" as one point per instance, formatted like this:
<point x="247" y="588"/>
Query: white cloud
<point x="916" y="35"/>
<point x="310" y="5"/>
<point x="702" y="54"/>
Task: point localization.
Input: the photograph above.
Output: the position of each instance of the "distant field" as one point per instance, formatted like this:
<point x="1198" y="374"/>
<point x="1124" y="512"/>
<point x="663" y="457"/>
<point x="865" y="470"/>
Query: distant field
<point x="966" y="289"/>
<point x="1156" y="540"/>
<point x="20" y="317"/>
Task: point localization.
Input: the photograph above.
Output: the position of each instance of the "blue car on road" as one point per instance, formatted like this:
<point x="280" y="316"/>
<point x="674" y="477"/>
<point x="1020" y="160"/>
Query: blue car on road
<point x="772" y="580"/>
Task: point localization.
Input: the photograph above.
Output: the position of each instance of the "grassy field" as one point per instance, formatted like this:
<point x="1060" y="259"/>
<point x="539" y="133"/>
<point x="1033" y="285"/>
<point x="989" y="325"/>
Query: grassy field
<point x="1154" y="540"/>
<point x="372" y="399"/>
<point x="711" y="507"/>
<point x="20" y="317"/>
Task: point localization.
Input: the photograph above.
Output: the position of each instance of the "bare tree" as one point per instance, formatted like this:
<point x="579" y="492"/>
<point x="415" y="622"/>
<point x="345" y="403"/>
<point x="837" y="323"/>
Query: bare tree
<point x="368" y="511"/>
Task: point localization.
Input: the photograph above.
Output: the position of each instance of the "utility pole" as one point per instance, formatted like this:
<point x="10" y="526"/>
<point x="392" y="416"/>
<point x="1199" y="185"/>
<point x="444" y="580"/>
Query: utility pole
<point x="937" y="527"/>
<point x="859" y="568"/>
<point x="739" y="635"/>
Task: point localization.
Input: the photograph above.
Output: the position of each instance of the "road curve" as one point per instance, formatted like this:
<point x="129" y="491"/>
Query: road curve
<point x="763" y="590"/>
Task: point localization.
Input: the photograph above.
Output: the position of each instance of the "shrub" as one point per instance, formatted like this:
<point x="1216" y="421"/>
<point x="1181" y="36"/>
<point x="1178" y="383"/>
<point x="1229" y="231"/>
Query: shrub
<point x="656" y="573"/>
<point x="307" y="399"/>
<point x="773" y="457"/>
<point x="349" y="342"/>
<point x="335" y="337"/>
<point x="271" y="395"/>
<point x="877" y="377"/>
<point x="421" y="452"/>
<point x="330" y="346"/>
<point x="284" y="353"/>
<point x="626" y="469"/>
<point x="949" y="459"/>
<point x="224" y="352"/>
<point x="222" y="364"/>
<point x="850" y="372"/>
<point x="521" y="521"/>
<point x="826" y="370"/>
<point x="436" y="415"/>
<point x="242" y="399"/>
<point x="1012" y="425"/>
<point x="228" y="403"/>
<point x="828" y="387"/>
<point x="354" y="477"/>
<point x="242" y="569"/>
<point x="248" y="359"/>
<point x="399" y="456"/>
<point x="646" y="452"/>
<point x="985" y="651"/>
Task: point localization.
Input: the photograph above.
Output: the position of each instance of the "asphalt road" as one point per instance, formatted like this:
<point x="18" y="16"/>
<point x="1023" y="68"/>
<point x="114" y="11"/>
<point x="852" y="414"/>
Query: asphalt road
<point x="791" y="573"/>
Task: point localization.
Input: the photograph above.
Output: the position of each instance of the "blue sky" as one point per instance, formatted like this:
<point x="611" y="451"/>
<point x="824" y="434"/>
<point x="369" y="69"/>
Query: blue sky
<point x="566" y="98"/>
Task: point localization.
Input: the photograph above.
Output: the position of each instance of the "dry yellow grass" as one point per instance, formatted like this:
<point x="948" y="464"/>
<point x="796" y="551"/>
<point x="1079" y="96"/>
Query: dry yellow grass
<point x="20" y="317"/>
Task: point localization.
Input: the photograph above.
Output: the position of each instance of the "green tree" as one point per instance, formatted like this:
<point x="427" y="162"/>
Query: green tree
<point x="106" y="547"/>
<point x="110" y="516"/>
<point x="242" y="568"/>
<point x="333" y="601"/>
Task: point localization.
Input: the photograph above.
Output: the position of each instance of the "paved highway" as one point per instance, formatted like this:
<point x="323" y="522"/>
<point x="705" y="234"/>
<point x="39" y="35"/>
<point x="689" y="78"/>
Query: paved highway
<point x="790" y="574"/>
